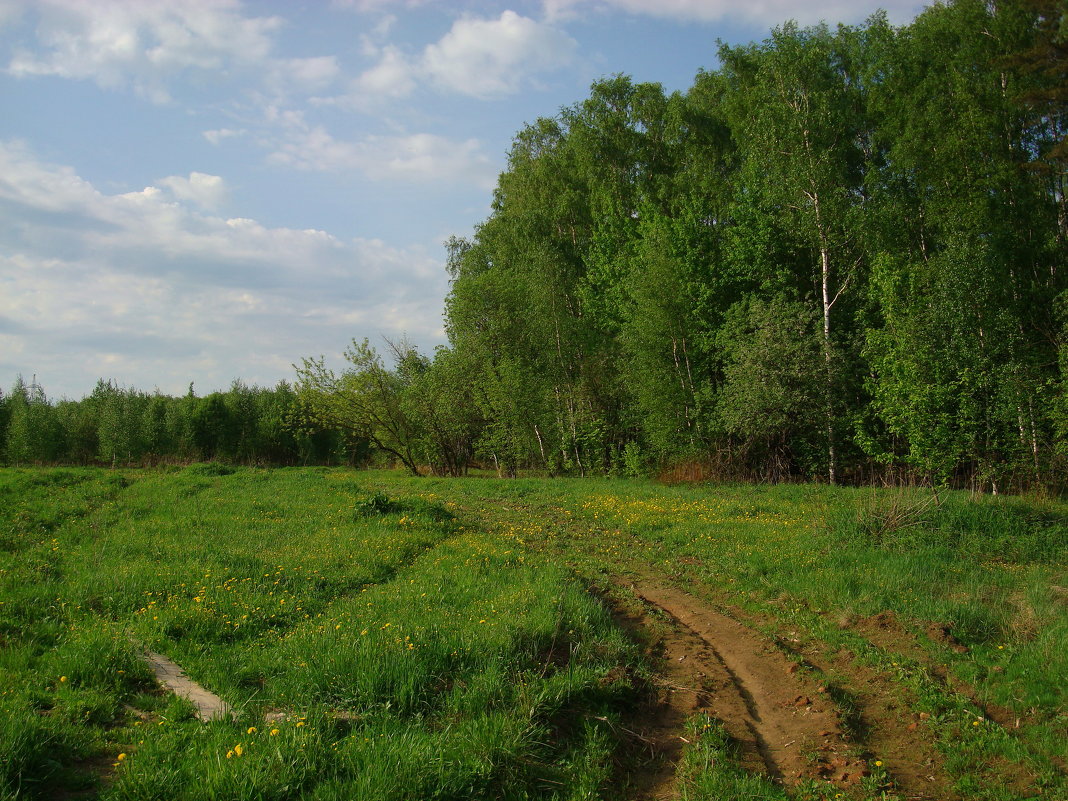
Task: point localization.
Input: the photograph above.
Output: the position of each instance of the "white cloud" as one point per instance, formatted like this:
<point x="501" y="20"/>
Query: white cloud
<point x="488" y="58"/>
<point x="50" y="188"/>
<point x="218" y="135"/>
<point x="393" y="76"/>
<point x="117" y="43"/>
<point x="484" y="58"/>
<point x="415" y="157"/>
<point x="206" y="191"/>
<point x="761" y="12"/>
<point x="146" y="45"/>
<point x="303" y="74"/>
<point x="375" y="6"/>
<point x="141" y="287"/>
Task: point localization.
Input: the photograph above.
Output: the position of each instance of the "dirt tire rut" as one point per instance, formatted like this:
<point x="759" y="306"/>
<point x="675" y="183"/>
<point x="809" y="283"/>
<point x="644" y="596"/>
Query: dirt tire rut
<point x="784" y="722"/>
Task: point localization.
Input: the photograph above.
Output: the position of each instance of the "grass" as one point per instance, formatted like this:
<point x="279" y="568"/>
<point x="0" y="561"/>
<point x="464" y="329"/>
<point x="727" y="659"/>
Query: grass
<point x="389" y="637"/>
<point x="986" y="574"/>
<point x="372" y="649"/>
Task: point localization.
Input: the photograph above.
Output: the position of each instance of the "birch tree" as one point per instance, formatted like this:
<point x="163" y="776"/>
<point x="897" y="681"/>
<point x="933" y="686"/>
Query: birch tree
<point x="797" y="117"/>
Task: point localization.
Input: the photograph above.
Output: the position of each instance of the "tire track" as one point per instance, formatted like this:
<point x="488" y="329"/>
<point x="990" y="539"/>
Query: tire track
<point x="785" y="724"/>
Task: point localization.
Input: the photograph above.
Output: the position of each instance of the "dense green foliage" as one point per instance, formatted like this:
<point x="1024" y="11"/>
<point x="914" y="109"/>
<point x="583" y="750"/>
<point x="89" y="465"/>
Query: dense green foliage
<point x="841" y="253"/>
<point x="119" y="426"/>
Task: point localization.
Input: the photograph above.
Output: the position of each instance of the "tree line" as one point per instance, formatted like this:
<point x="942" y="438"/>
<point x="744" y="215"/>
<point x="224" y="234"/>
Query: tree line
<point x="123" y="426"/>
<point x="840" y="255"/>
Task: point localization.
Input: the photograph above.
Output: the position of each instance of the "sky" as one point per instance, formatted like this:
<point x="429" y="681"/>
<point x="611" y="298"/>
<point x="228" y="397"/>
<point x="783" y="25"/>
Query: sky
<point x="203" y="190"/>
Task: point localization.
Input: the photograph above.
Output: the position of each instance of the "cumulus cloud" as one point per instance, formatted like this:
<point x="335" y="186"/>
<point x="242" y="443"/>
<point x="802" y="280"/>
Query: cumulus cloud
<point x="761" y="12"/>
<point x="416" y="157"/>
<point x="487" y="58"/>
<point x="302" y="74"/>
<point x="371" y="6"/>
<point x="147" y="45"/>
<point x="143" y="286"/>
<point x="206" y="191"/>
<point x="393" y="76"/>
<point x="128" y="42"/>
<point x="483" y="58"/>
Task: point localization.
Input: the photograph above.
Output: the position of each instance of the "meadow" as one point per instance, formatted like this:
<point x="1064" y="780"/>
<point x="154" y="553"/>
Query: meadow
<point x="389" y="637"/>
<point x="371" y="648"/>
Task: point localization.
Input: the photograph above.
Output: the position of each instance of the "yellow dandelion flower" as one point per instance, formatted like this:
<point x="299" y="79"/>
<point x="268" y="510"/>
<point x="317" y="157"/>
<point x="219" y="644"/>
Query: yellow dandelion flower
<point x="121" y="757"/>
<point x="251" y="730"/>
<point x="62" y="679"/>
<point x="274" y="732"/>
<point x="238" y="750"/>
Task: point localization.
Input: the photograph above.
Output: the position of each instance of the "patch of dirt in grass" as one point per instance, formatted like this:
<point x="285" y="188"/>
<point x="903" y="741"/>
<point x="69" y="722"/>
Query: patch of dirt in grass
<point x="885" y="631"/>
<point x="783" y="720"/>
<point x="710" y="662"/>
<point x="884" y="726"/>
<point x="655" y="738"/>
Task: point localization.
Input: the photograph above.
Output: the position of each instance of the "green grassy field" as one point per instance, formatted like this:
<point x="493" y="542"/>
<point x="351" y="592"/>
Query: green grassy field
<point x="386" y="637"/>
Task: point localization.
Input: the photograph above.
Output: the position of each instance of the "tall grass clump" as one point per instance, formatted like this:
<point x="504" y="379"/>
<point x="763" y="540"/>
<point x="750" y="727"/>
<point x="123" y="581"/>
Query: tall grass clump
<point x="974" y="527"/>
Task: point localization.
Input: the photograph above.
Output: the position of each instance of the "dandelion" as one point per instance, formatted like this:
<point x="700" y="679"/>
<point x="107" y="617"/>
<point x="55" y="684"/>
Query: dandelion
<point x="62" y="679"/>
<point x="121" y="757"/>
<point x="230" y="754"/>
<point x="300" y="723"/>
<point x="878" y="763"/>
<point x="251" y="730"/>
<point x="274" y="732"/>
<point x="238" y="750"/>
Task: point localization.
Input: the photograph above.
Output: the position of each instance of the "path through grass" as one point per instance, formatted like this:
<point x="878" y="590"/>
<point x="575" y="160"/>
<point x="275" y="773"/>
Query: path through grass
<point x="958" y="605"/>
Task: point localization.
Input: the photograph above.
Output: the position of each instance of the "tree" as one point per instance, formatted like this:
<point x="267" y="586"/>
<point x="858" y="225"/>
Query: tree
<point x="34" y="434"/>
<point x="366" y="400"/>
<point x="962" y="348"/>
<point x="773" y="378"/>
<point x="797" y="115"/>
<point x="439" y="395"/>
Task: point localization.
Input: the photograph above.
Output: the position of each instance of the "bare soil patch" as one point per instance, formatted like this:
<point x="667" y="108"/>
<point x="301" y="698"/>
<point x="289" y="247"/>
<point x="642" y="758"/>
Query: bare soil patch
<point x="887" y="632"/>
<point x="882" y="724"/>
<point x="784" y="720"/>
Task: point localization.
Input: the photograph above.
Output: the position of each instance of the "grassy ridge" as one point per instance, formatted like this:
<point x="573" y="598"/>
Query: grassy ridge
<point x="394" y="653"/>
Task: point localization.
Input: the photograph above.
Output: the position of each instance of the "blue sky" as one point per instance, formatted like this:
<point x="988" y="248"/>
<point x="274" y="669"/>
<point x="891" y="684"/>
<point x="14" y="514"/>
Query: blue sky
<point x="200" y="190"/>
